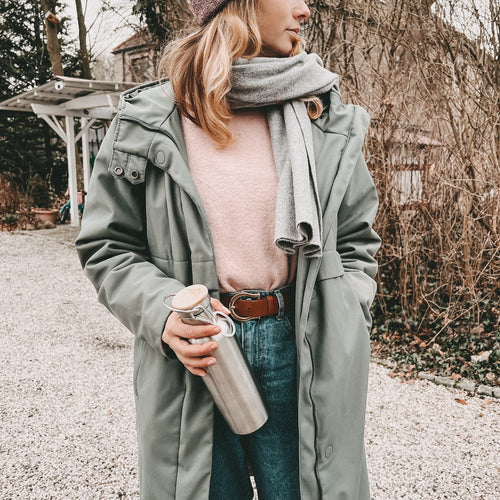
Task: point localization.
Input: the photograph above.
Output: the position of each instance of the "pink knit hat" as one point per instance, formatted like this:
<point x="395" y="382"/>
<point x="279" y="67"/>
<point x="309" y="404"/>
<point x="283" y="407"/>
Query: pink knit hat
<point x="203" y="10"/>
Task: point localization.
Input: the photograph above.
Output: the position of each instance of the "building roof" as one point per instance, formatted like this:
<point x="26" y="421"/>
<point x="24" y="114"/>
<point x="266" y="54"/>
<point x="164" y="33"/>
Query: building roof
<point x="139" y="39"/>
<point x="404" y="137"/>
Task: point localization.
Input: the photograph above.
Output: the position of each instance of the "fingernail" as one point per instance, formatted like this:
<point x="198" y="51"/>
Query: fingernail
<point x="227" y="311"/>
<point x="211" y="362"/>
<point x="216" y="329"/>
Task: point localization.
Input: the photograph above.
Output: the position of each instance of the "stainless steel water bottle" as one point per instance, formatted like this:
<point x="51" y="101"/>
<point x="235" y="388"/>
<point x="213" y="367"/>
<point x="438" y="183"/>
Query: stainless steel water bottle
<point x="230" y="380"/>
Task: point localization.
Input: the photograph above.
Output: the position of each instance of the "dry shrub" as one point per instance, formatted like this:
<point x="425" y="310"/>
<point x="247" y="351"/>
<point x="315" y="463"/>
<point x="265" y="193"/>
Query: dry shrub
<point x="13" y="210"/>
<point x="432" y="89"/>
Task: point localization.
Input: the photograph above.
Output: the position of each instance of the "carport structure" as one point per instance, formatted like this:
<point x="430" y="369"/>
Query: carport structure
<point x="71" y="98"/>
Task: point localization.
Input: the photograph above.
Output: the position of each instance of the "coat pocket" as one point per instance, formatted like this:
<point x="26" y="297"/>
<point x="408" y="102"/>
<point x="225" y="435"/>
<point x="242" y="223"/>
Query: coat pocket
<point x="138" y="359"/>
<point x="331" y="266"/>
<point x="363" y="289"/>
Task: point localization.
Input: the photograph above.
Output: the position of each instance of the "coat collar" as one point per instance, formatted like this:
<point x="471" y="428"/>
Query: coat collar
<point x="152" y="106"/>
<point x="150" y="116"/>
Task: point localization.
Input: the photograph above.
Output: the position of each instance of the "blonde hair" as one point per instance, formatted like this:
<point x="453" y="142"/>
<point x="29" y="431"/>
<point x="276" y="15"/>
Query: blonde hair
<point x="199" y="67"/>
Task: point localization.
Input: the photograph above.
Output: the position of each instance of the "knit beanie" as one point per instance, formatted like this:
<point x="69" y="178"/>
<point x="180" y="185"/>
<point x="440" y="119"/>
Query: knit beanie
<point x="203" y="10"/>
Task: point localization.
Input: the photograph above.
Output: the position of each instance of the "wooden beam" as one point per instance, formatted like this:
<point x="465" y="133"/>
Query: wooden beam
<point x="85" y="126"/>
<point x="57" y="110"/>
<point x="95" y="84"/>
<point x="92" y="101"/>
<point x="55" y="125"/>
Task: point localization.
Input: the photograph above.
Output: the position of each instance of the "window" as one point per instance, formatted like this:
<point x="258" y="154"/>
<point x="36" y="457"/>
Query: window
<point x="408" y="185"/>
<point x="140" y="69"/>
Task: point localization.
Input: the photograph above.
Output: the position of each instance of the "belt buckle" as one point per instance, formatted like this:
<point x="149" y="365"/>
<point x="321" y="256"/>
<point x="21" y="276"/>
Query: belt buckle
<point x="235" y="298"/>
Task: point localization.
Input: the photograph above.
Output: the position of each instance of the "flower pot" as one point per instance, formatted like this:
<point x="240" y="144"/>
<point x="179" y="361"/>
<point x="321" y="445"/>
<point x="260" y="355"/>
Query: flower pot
<point x="44" y="216"/>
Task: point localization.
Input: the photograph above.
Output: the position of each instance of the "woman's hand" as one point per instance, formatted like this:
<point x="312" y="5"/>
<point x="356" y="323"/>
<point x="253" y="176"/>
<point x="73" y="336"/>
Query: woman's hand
<point x="195" y="357"/>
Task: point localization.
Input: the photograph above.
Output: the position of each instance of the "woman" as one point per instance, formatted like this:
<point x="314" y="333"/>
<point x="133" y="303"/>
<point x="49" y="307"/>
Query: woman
<point x="243" y="173"/>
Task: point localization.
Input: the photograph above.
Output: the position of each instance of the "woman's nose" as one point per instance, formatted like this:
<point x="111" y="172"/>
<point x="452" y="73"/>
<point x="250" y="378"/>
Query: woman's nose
<point x="301" y="11"/>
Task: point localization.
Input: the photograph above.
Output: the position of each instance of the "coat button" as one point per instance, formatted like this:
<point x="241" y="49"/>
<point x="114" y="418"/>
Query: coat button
<point x="118" y="170"/>
<point x="134" y="174"/>
<point x="160" y="157"/>
<point x="329" y="451"/>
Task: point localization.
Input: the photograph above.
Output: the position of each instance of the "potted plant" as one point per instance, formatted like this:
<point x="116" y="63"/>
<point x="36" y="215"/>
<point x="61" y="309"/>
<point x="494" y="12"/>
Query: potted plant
<point x="41" y="201"/>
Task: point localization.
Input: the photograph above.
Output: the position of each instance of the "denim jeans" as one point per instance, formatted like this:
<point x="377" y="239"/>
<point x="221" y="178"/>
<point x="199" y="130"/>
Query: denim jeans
<point x="271" y="452"/>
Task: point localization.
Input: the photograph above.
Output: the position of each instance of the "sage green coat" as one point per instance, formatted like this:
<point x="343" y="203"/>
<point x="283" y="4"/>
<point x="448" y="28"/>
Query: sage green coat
<point x="145" y="235"/>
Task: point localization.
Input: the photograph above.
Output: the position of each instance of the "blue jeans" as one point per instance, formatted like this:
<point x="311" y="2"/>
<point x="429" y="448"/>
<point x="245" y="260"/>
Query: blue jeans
<point x="271" y="452"/>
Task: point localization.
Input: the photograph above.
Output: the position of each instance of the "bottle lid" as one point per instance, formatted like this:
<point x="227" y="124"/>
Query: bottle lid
<point x="190" y="297"/>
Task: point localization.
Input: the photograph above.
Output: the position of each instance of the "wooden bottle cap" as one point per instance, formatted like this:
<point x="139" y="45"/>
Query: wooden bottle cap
<point x="190" y="297"/>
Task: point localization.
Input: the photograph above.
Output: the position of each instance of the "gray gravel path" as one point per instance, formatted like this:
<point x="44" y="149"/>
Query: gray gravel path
<point x="67" y="428"/>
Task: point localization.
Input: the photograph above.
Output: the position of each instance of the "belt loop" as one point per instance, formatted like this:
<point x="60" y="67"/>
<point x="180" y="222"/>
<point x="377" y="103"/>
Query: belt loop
<point x="281" y="305"/>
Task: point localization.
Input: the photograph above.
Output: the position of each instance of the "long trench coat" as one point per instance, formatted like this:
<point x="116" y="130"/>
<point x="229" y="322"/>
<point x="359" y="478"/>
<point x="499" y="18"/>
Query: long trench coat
<point x="145" y="235"/>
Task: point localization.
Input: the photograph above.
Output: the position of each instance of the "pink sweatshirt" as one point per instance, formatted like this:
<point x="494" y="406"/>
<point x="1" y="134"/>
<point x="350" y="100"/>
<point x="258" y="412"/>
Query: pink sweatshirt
<point x="238" y="188"/>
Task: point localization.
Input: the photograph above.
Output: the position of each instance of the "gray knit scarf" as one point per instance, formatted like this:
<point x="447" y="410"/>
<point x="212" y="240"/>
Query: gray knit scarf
<point x="279" y="84"/>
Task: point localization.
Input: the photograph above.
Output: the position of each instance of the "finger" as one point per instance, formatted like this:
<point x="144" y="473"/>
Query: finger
<point x="187" y="350"/>
<point x="219" y="306"/>
<point x="197" y="371"/>
<point x="198" y="331"/>
<point x="177" y="328"/>
<point x="181" y="346"/>
<point x="194" y="356"/>
<point x="198" y="362"/>
<point x="197" y="366"/>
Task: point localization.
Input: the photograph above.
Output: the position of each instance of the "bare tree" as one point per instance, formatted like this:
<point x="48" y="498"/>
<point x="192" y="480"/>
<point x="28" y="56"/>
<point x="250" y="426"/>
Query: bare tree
<point x="82" y="36"/>
<point x="428" y="73"/>
<point x="53" y="47"/>
<point x="165" y="19"/>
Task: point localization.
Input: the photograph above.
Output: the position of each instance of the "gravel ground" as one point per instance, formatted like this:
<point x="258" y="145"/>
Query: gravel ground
<point x="67" y="428"/>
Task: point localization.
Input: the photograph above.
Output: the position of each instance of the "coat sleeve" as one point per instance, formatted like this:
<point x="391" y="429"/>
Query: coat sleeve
<point x="112" y="247"/>
<point x="357" y="242"/>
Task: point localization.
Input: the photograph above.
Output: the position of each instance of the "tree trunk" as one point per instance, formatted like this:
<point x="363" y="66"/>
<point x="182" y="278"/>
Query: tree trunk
<point x="53" y="46"/>
<point x="82" y="35"/>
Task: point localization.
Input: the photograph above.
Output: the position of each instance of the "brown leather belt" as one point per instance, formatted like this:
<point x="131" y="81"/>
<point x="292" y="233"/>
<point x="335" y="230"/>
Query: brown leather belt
<point x="245" y="306"/>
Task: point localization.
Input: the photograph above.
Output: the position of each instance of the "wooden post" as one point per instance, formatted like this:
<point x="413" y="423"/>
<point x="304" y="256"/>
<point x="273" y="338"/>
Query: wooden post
<point x="85" y="153"/>
<point x="72" y="182"/>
